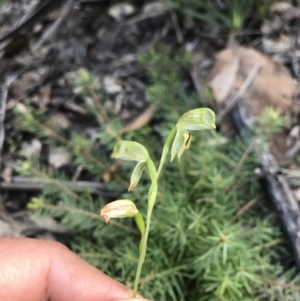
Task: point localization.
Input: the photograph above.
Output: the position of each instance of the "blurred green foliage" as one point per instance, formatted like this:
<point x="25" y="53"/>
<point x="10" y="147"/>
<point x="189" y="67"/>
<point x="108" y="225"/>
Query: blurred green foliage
<point x="228" y="15"/>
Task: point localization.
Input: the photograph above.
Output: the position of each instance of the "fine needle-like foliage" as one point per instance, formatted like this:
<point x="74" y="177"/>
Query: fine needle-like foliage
<point x="231" y="16"/>
<point x="214" y="234"/>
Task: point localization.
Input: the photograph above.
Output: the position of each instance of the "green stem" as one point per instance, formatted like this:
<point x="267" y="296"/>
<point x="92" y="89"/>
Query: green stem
<point x="151" y="202"/>
<point x="140" y="223"/>
<point x="143" y="248"/>
<point x="143" y="245"/>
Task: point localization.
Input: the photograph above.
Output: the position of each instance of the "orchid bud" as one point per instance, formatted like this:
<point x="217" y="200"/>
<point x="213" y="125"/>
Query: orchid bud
<point x="119" y="209"/>
<point x="194" y="120"/>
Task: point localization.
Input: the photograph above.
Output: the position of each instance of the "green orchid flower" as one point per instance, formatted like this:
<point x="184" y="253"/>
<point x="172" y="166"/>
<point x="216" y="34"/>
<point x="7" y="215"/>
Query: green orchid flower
<point x="122" y="209"/>
<point x="194" y="120"/>
<point x="118" y="209"/>
<point x="132" y="151"/>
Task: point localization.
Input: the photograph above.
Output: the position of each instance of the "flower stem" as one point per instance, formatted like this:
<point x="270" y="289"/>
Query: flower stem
<point x="143" y="247"/>
<point x="151" y="202"/>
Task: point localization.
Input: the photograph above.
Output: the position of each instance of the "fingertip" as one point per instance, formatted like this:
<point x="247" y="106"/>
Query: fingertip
<point x="71" y="278"/>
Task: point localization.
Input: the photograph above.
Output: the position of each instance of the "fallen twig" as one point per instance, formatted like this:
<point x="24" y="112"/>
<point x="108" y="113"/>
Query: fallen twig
<point x="44" y="7"/>
<point x="196" y="80"/>
<point x="48" y="34"/>
<point x="3" y="99"/>
<point x="38" y="184"/>
<point x="178" y="32"/>
<point x="140" y="121"/>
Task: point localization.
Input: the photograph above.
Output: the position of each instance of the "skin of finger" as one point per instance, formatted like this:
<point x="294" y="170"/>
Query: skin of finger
<point x="91" y="284"/>
<point x="24" y="269"/>
<point x="37" y="270"/>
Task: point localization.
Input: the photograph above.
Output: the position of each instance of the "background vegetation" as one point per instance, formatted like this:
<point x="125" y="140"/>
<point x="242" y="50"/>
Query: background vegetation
<point x="214" y="234"/>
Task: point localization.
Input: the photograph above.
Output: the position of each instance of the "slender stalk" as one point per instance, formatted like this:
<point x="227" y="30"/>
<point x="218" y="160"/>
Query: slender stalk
<point x="143" y="245"/>
<point x="140" y="264"/>
<point x="154" y="187"/>
<point x="151" y="202"/>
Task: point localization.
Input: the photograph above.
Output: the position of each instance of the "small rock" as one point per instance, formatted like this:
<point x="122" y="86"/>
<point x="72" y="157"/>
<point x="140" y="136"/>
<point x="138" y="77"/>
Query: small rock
<point x="281" y="45"/>
<point x="280" y="7"/>
<point x="295" y="131"/>
<point x="190" y="46"/>
<point x="59" y="121"/>
<point x="59" y="157"/>
<point x="150" y="10"/>
<point x="37" y="28"/>
<point x="270" y="26"/>
<point x="120" y="10"/>
<point x="258" y="171"/>
<point x="111" y="86"/>
<point x="154" y="8"/>
<point x="31" y="149"/>
<point x="21" y="108"/>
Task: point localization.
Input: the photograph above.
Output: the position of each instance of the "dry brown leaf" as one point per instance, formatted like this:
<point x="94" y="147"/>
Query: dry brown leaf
<point x="272" y="86"/>
<point x="223" y="76"/>
<point x="140" y="121"/>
